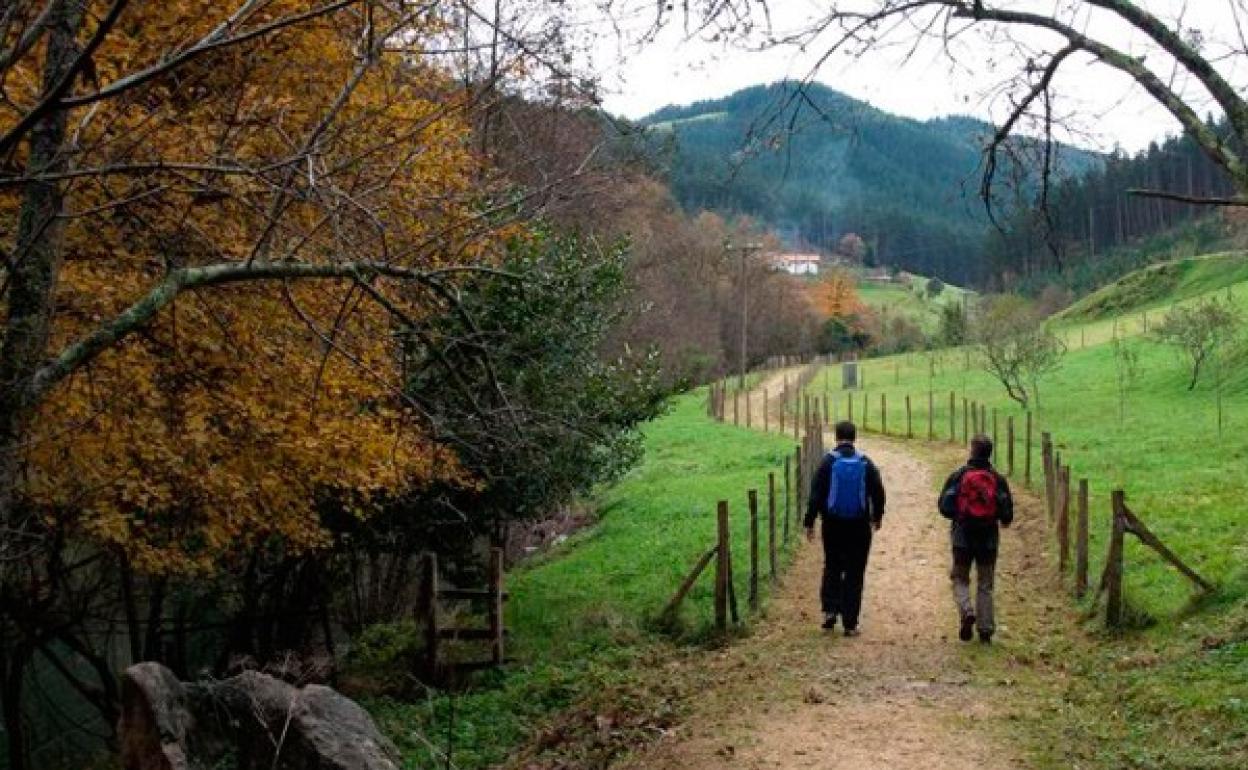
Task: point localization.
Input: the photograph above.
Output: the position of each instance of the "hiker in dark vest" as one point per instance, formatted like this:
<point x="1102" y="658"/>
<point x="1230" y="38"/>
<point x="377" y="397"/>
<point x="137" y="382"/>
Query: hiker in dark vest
<point x="976" y="499"/>
<point x="848" y="493"/>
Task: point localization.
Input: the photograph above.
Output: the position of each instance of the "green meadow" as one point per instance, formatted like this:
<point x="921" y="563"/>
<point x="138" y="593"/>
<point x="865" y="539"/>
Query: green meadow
<point x="583" y="615"/>
<point x="1172" y="691"/>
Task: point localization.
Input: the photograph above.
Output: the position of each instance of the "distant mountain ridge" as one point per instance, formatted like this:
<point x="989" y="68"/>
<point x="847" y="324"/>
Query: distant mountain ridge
<point x="816" y="164"/>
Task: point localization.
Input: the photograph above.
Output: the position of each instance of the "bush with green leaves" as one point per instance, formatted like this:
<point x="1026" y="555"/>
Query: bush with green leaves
<point x="516" y="382"/>
<point x="1199" y="330"/>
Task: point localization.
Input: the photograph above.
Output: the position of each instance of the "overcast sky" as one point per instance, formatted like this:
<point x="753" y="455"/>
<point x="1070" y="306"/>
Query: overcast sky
<point x="1105" y="107"/>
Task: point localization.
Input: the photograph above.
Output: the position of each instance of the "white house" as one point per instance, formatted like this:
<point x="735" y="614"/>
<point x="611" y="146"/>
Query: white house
<point x="796" y="264"/>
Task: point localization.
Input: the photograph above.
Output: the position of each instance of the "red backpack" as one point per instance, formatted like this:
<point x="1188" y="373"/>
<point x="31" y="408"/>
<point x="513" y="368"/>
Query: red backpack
<point x="977" y="495"/>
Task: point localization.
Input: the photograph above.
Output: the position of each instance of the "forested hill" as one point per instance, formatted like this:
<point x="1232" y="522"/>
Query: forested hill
<point x="820" y="165"/>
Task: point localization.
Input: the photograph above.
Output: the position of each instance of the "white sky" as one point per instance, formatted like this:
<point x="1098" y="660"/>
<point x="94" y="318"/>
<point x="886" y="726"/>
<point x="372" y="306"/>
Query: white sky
<point x="1103" y="105"/>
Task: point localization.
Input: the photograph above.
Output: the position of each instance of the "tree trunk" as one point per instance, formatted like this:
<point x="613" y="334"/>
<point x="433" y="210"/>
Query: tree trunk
<point x="36" y="263"/>
<point x="12" y="673"/>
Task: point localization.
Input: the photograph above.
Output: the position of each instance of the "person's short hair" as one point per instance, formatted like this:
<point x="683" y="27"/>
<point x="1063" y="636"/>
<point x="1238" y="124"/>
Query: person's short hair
<point x="981" y="447"/>
<point x="846" y="431"/>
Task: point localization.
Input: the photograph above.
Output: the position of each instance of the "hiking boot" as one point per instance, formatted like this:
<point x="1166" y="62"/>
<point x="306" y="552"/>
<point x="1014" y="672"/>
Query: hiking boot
<point x="968" y="626"/>
<point x="985" y="637"/>
<point x="829" y="621"/>
<point x="852" y="631"/>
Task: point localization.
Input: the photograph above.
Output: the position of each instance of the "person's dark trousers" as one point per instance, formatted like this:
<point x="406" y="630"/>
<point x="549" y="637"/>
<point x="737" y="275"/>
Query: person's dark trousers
<point x="985" y="561"/>
<point x="846" y="546"/>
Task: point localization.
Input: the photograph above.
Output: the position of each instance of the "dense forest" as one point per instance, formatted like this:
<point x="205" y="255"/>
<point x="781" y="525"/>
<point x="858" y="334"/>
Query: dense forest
<point x="1086" y="234"/>
<point x="817" y="164"/>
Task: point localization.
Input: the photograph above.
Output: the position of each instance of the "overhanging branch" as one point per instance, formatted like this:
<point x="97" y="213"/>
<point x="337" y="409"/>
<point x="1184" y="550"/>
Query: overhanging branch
<point x="178" y="281"/>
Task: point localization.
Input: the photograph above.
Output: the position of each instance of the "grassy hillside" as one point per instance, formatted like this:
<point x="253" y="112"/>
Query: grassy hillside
<point x="581" y="616"/>
<point x="908" y="299"/>
<point x="1171" y="693"/>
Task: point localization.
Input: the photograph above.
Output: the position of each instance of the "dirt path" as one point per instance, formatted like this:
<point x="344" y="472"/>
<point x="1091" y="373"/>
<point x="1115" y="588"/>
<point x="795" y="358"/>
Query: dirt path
<point x="905" y="694"/>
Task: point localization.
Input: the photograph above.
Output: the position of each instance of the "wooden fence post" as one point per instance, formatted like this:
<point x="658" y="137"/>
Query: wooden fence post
<point x="827" y="416"/>
<point x="1046" y="460"/>
<point x="866" y="411"/>
<point x="974" y="419"/>
<point x="909" y="423"/>
<point x="1063" y="519"/>
<point x="1112" y="579"/>
<point x="787" y="474"/>
<point x="953" y="409"/>
<point x="1027" y="452"/>
<point x="849" y="399"/>
<point x="1009" y="445"/>
<point x="433" y="628"/>
<point x="1081" y="540"/>
<point x="496" y="606"/>
<point x="771" y="525"/>
<point x="798" y="478"/>
<point x="966" y="420"/>
<point x="721" y="567"/>
<point x="736" y="407"/>
<point x="752" y="497"/>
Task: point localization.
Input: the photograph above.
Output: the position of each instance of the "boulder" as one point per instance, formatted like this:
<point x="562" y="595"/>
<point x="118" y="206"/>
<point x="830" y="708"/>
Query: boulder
<point x="247" y="721"/>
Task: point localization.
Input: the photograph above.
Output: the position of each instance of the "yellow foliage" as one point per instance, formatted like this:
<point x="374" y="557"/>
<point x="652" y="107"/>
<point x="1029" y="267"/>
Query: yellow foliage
<point x="836" y="295"/>
<point x="223" y="422"/>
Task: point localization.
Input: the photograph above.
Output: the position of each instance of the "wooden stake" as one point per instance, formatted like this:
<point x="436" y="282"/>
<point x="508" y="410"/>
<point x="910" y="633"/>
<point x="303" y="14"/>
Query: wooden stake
<point x="721" y="567"/>
<point x="752" y="498"/>
<point x="787" y="496"/>
<point x="433" y="629"/>
<point x="1009" y="445"/>
<point x="909" y="423"/>
<point x="1137" y="528"/>
<point x="496" y="606"/>
<point x="673" y="604"/>
<point x="771" y="526"/>
<point x="1081" y="540"/>
<point x="1027" y="453"/>
<point x="1111" y="581"/>
<point x="1063" y="520"/>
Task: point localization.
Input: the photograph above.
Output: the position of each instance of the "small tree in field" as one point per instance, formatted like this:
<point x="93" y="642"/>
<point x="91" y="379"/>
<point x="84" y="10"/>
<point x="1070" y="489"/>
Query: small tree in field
<point x="1126" y="367"/>
<point x="1015" y="347"/>
<point x="1198" y="331"/>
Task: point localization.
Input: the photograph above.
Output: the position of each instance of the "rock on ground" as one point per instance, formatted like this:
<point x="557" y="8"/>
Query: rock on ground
<point x="246" y="721"/>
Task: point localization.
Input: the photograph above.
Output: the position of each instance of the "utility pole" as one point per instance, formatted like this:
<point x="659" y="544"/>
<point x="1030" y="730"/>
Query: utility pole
<point x="745" y="249"/>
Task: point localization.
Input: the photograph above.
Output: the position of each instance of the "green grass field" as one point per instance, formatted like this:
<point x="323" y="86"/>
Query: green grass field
<point x="1181" y="700"/>
<point x="581" y="616"/>
<point x="908" y="299"/>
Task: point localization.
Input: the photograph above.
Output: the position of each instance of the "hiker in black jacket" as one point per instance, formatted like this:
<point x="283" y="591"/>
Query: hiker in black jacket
<point x="976" y="499"/>
<point x="848" y="493"/>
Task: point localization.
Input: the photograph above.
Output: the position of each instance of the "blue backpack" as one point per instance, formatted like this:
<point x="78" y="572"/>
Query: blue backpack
<point x="847" y="486"/>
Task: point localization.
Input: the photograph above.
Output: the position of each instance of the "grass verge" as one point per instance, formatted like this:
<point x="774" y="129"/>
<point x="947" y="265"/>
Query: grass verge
<point x="589" y="680"/>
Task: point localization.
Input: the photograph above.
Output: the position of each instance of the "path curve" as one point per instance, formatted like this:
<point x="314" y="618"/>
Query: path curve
<point x="905" y="694"/>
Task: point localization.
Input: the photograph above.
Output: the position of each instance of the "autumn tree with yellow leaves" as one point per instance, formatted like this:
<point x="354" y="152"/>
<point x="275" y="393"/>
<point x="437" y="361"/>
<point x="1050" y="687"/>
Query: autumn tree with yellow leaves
<point x="214" y="218"/>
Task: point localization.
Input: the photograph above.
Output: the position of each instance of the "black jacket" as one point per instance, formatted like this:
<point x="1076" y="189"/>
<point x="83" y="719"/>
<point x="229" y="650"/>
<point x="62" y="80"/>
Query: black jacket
<point x="819" y="486"/>
<point x="977" y="535"/>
